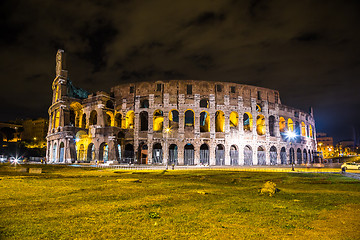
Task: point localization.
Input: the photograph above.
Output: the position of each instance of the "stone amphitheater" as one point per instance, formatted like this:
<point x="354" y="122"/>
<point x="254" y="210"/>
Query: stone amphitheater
<point x="180" y="122"/>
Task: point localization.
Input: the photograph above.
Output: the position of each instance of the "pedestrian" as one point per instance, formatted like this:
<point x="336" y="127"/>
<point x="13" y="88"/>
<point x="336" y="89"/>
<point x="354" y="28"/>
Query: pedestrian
<point x="343" y="169"/>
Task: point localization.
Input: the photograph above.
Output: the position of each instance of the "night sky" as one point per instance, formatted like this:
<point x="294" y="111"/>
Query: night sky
<point x="308" y="50"/>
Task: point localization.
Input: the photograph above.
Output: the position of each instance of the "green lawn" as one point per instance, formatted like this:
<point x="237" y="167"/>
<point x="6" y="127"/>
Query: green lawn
<point x="87" y="203"/>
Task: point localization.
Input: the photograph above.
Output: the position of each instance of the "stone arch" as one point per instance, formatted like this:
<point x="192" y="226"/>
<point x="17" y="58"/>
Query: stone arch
<point x="81" y="153"/>
<point x="144" y="121"/>
<point x="54" y="152"/>
<point x="283" y="155"/>
<point x="261" y="155"/>
<point x="158" y="120"/>
<point x="248" y="156"/>
<point x="108" y="116"/>
<point x="204" y="103"/>
<point x="299" y="156"/>
<point x="157" y="153"/>
<point x="174" y="119"/>
<point x="220" y="155"/>
<point x="305" y="156"/>
<point x="272" y="126"/>
<point x="247" y="122"/>
<point x="130" y="119"/>
<point x="234" y="119"/>
<point x="93" y="118"/>
<point x="173" y="154"/>
<point x="204" y="154"/>
<point x="189" y="154"/>
<point x="311" y="131"/>
<point x="104" y="152"/>
<point x="83" y="121"/>
<point x="143" y="153"/>
<point x="204" y="121"/>
<point x="219" y="121"/>
<point x="260" y="125"/>
<point x="117" y="120"/>
<point x="189" y="118"/>
<point x="91" y="152"/>
<point x="57" y="119"/>
<point x="234" y="155"/>
<point x="282" y="125"/>
<point x="290" y="125"/>
<point x="273" y="155"/>
<point x="62" y="152"/>
<point x="75" y="114"/>
<point x="303" y="129"/>
<point x="129" y="153"/>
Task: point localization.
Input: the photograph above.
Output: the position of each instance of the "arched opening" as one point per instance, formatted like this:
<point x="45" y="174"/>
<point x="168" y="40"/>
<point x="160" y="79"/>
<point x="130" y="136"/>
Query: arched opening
<point x="117" y="120"/>
<point x="299" y="156"/>
<point x="189" y="118"/>
<point x="93" y="118"/>
<point x="54" y="153"/>
<point x="282" y="125"/>
<point x="272" y="126"/>
<point x="220" y="155"/>
<point x="258" y="108"/>
<point x="158" y="120"/>
<point x="61" y="152"/>
<point x="291" y="156"/>
<point x="107" y="119"/>
<point x="311" y="131"/>
<point x="234" y="119"/>
<point x="247" y="122"/>
<point x="144" y="121"/>
<point x="204" y="154"/>
<point x="103" y="152"/>
<point x="129" y="153"/>
<point x="297" y="130"/>
<point x="261" y="157"/>
<point x="204" y="103"/>
<point x="260" y="125"/>
<point x="305" y="156"/>
<point x="290" y="125"/>
<point x="219" y="121"/>
<point x="248" y="156"/>
<point x="189" y="154"/>
<point x="174" y="119"/>
<point x="157" y="153"/>
<point x="83" y="121"/>
<point x="173" y="155"/>
<point x="129" y="120"/>
<point x="144" y="103"/>
<point x="75" y="114"/>
<point x="234" y="155"/>
<point x="273" y="155"/>
<point x="283" y="155"/>
<point x="143" y="150"/>
<point x="303" y="129"/>
<point x="204" y="122"/>
<point x="109" y="104"/>
<point x="81" y="153"/>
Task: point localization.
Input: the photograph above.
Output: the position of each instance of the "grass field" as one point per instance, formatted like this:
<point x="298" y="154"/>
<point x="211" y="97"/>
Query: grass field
<point x="87" y="203"/>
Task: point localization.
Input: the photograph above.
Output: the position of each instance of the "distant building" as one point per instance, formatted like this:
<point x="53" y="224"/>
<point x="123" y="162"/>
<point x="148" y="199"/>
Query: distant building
<point x="35" y="130"/>
<point x="325" y="145"/>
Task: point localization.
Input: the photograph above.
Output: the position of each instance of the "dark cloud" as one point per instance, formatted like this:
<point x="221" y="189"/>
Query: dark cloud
<point x="308" y="50"/>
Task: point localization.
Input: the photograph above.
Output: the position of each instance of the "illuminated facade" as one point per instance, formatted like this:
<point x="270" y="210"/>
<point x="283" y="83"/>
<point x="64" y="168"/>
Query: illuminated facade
<point x="184" y="122"/>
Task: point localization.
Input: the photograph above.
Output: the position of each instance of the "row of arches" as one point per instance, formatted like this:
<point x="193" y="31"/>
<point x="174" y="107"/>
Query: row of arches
<point x="250" y="156"/>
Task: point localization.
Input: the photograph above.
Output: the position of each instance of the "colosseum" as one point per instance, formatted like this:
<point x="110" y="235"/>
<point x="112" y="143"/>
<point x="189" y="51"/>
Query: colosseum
<point x="180" y="122"/>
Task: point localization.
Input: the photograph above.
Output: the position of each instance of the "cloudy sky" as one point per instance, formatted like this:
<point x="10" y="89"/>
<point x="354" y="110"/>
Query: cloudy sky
<point x="308" y="50"/>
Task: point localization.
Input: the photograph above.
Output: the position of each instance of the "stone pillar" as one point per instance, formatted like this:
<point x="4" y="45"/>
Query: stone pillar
<point x="227" y="154"/>
<point x="212" y="147"/>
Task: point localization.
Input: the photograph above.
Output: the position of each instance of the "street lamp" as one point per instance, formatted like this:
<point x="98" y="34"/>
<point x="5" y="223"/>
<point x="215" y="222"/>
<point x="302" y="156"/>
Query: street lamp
<point x="291" y="135"/>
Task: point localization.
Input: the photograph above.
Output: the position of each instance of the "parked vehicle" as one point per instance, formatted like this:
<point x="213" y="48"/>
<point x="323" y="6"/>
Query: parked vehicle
<point x="351" y="166"/>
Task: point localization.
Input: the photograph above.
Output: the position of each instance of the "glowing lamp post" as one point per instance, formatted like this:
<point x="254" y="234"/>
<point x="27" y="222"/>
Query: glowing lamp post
<point x="291" y="135"/>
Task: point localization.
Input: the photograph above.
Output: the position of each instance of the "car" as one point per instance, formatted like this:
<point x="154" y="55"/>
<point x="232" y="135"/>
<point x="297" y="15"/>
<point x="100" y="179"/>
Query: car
<point x="351" y="165"/>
